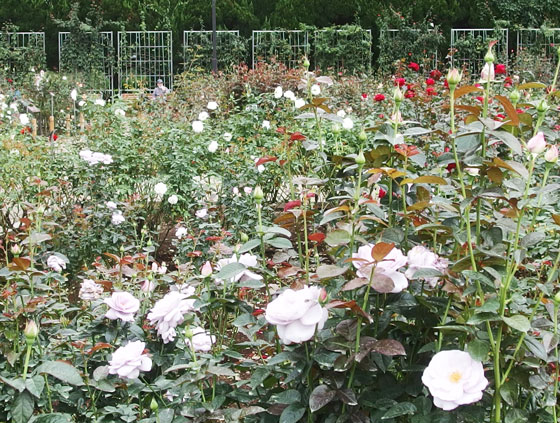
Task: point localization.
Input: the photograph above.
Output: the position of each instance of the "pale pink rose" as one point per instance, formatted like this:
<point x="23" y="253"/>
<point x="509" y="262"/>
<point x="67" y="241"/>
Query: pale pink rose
<point x="122" y="305"/>
<point x="130" y="360"/>
<point x="246" y="259"/>
<point x="56" y="263"/>
<point x="297" y="314"/>
<point x="487" y="72"/>
<point x="537" y="144"/>
<point x="206" y="269"/>
<point x="201" y="340"/>
<point x="389" y="266"/>
<point x="89" y="290"/>
<point x="551" y="154"/>
<point x="420" y="257"/>
<point x="454" y="378"/>
<point x="169" y="312"/>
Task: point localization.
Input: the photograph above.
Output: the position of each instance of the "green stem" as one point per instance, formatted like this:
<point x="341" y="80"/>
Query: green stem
<point x="27" y="357"/>
<point x="539" y="199"/>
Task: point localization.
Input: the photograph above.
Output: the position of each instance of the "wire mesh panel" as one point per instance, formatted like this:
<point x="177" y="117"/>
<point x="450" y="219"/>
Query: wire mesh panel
<point x="343" y="49"/>
<point x="410" y="45"/>
<point x="98" y="62"/>
<point x="143" y="58"/>
<point x="231" y="49"/>
<point x="287" y="47"/>
<point x="469" y="46"/>
<point x="22" y="51"/>
<point x="539" y="42"/>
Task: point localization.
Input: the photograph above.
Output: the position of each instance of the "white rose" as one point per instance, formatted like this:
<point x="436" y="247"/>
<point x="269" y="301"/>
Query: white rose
<point x="180" y="232"/>
<point x="130" y="360"/>
<point x="347" y="123"/>
<point x="202" y="116"/>
<point x="122" y="305"/>
<point x="173" y="199"/>
<point x="388" y="267"/>
<point x="202" y="213"/>
<point x="169" y="312"/>
<point x="454" y="379"/>
<point x="89" y="290"/>
<point x="297" y="314"/>
<point x="227" y="137"/>
<point x="24" y="119"/>
<point x="213" y="146"/>
<point x="315" y="89"/>
<point x="111" y="205"/>
<point x="56" y="263"/>
<point x="117" y="218"/>
<point x="160" y="189"/>
<point x="212" y="105"/>
<point x="100" y="102"/>
<point x="341" y="113"/>
<point x="266" y="124"/>
<point x="81" y="103"/>
<point x="201" y="340"/>
<point x="299" y="103"/>
<point x="74" y="94"/>
<point x="120" y="112"/>
<point x="197" y="126"/>
<point x="289" y="95"/>
<point x="278" y="92"/>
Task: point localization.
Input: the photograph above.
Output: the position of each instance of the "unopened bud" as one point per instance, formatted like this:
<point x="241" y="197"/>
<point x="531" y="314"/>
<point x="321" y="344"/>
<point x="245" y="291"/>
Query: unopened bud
<point x="153" y="404"/>
<point x="243" y="237"/>
<point x="323" y="296"/>
<point x="336" y="128"/>
<point x="551" y="155"/>
<point x="557" y="297"/>
<point x="362" y="136"/>
<point x="360" y="159"/>
<point x="306" y="63"/>
<point x="188" y="333"/>
<point x="543" y="106"/>
<point x="31" y="331"/>
<point x="453" y="77"/>
<point x="398" y="95"/>
<point x="16" y="250"/>
<point x="149" y="243"/>
<point x="258" y="194"/>
<point x="515" y="96"/>
<point x="121" y="249"/>
<point x="489" y="57"/>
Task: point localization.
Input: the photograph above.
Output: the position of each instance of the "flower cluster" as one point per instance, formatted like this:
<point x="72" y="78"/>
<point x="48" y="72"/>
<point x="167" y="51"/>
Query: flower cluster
<point x="94" y="158"/>
<point x="169" y="312"/>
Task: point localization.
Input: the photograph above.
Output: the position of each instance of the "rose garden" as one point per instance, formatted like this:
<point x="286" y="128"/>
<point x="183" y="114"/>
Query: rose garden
<point x="282" y="244"/>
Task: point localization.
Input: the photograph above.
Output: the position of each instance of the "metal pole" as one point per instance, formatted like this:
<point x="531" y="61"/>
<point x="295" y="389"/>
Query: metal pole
<point x="214" y="52"/>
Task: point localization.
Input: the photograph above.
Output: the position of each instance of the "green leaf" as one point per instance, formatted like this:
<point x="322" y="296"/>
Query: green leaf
<point x="22" y="408"/>
<point x="519" y="322"/>
<point x="287" y="397"/>
<point x="36" y="238"/>
<point x="337" y="237"/>
<point x="166" y="415"/>
<point x="221" y="371"/>
<point x="35" y="385"/>
<point x="326" y="271"/>
<point x="292" y="413"/>
<point x="63" y="371"/>
<point x="478" y="349"/>
<point x="532" y="239"/>
<point x="52" y="418"/>
<point x="249" y="245"/>
<point x="400" y="409"/>
<point x="17" y="384"/>
<point x="229" y="271"/>
<point x="280" y="242"/>
<point x="510" y="140"/>
<point x="320" y="397"/>
<point x="277" y="230"/>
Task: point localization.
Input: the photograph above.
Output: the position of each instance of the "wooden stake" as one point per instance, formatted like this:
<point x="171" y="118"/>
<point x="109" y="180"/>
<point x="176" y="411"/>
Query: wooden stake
<point x="82" y="123"/>
<point x="34" y="128"/>
<point x="51" y="124"/>
<point x="68" y="127"/>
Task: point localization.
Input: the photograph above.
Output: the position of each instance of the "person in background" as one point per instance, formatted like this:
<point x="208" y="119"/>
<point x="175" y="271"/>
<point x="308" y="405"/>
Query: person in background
<point x="160" y="90"/>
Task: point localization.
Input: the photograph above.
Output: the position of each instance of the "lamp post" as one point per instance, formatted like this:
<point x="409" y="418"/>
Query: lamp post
<point x="214" y="52"/>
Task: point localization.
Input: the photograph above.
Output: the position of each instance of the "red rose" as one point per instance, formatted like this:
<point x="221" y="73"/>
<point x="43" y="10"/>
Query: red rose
<point x="379" y="97"/>
<point x="382" y="193"/>
<point x="400" y="81"/>
<point x="446" y="84"/>
<point x="435" y="74"/>
<point x="409" y="94"/>
<point x="431" y="91"/>
<point x="414" y="66"/>
<point x="500" y="69"/>
<point x="364" y="96"/>
<point x="430" y="81"/>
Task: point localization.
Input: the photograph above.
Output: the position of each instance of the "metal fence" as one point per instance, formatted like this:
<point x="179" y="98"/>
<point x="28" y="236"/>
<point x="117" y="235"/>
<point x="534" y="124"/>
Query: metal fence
<point x="143" y="58"/>
<point x="287" y="47"/>
<point x="355" y="56"/>
<point x="25" y="50"/>
<point x="468" y="47"/>
<point x="197" y="49"/>
<point x="540" y="42"/>
<point x="100" y="74"/>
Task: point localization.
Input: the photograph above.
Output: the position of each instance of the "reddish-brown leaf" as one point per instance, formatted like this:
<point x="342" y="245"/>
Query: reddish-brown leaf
<point x="317" y="237"/>
<point x="381" y="249"/>
<point x="265" y="159"/>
